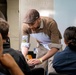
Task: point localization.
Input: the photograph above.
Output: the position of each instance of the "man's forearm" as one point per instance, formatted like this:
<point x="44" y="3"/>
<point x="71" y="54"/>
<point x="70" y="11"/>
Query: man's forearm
<point x="49" y="54"/>
<point x="24" y="51"/>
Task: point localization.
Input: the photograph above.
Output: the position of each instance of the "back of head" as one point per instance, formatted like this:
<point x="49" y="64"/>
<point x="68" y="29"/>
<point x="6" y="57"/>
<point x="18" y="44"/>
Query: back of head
<point x="70" y="37"/>
<point x="4" y="28"/>
<point x="31" y="16"/>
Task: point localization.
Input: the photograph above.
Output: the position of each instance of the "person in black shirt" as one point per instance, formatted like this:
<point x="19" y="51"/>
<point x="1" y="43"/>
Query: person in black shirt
<point x="17" y="55"/>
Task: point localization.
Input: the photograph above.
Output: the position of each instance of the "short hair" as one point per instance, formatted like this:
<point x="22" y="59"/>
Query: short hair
<point x="31" y="16"/>
<point x="4" y="28"/>
<point x="70" y="37"/>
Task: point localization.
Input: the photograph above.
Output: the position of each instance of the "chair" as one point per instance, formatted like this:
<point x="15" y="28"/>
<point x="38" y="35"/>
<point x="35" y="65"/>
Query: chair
<point x="32" y="54"/>
<point x="37" y="71"/>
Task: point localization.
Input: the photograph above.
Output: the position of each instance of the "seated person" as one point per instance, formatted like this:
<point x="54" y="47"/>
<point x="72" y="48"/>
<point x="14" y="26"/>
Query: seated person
<point x="18" y="57"/>
<point x="12" y="67"/>
<point x="65" y="61"/>
<point x="5" y="61"/>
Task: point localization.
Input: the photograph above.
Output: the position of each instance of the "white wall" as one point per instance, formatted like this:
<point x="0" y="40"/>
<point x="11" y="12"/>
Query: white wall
<point x="65" y="14"/>
<point x="13" y="19"/>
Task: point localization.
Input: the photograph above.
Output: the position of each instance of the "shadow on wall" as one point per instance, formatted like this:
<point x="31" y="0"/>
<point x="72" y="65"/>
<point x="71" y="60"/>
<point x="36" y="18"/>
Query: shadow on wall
<point x="3" y="9"/>
<point x="1" y="15"/>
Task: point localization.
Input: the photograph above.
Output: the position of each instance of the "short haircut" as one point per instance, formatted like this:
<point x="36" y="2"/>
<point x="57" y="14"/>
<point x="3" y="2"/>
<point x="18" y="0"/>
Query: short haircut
<point x="4" y="28"/>
<point x="31" y="16"/>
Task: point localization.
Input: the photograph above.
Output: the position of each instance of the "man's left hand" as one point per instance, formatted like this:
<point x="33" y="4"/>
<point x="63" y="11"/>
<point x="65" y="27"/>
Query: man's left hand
<point x="33" y="62"/>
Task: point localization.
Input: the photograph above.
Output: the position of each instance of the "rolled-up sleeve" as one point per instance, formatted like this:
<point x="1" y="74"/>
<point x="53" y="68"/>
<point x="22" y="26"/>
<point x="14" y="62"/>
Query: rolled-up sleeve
<point x="25" y="42"/>
<point x="51" y="45"/>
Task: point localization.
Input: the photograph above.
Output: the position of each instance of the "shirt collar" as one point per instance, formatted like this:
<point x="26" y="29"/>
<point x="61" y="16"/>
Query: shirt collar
<point x="41" y="25"/>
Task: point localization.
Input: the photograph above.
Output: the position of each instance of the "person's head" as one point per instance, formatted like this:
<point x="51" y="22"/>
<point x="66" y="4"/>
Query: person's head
<point x="4" y="29"/>
<point x="70" y="37"/>
<point x="32" y="18"/>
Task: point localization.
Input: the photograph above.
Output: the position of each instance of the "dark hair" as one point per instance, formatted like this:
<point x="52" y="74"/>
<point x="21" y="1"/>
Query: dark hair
<point x="4" y="28"/>
<point x="70" y="37"/>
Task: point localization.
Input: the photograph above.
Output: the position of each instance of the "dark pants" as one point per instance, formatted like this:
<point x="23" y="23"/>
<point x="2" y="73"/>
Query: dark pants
<point x="37" y="71"/>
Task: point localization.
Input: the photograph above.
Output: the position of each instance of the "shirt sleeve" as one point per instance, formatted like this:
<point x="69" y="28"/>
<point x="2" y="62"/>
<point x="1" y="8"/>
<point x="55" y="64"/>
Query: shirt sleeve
<point x="51" y="45"/>
<point x="25" y="42"/>
<point x="55" y="35"/>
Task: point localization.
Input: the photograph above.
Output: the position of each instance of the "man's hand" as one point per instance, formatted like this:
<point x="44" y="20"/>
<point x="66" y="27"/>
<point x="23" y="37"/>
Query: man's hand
<point x="33" y="62"/>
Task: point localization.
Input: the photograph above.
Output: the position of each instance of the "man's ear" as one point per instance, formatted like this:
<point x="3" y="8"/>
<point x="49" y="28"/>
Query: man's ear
<point x="39" y="20"/>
